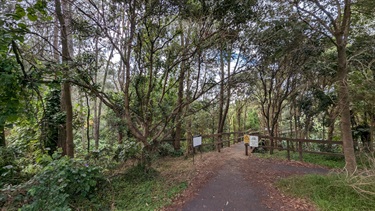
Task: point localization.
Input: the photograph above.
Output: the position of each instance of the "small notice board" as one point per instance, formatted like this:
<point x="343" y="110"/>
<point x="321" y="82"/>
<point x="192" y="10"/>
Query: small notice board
<point x="254" y="141"/>
<point x="197" y="141"/>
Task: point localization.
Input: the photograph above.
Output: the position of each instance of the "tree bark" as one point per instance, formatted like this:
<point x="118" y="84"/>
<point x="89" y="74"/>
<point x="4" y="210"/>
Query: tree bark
<point x="223" y="100"/>
<point x="343" y="94"/>
<point x="88" y="122"/>
<point x="67" y="145"/>
<point x="238" y="115"/>
<point x="221" y="95"/>
<point x="332" y="115"/>
<point x="69" y="120"/>
<point x="180" y="96"/>
<point x="372" y="128"/>
<point x="96" y="106"/>
<point x="120" y="136"/>
<point x="2" y="135"/>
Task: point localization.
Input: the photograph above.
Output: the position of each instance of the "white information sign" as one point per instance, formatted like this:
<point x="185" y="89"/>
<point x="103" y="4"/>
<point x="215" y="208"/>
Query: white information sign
<point x="254" y="141"/>
<point x="197" y="141"/>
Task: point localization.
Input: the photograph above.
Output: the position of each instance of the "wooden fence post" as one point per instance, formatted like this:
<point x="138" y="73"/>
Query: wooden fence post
<point x="300" y="150"/>
<point x="287" y="148"/>
<point x="218" y="145"/>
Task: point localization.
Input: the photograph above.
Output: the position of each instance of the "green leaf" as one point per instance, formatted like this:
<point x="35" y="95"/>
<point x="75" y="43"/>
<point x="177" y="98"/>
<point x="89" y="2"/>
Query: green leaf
<point x="32" y="16"/>
<point x="92" y="183"/>
<point x="32" y="191"/>
<point x="49" y="18"/>
<point x="22" y="26"/>
<point x="19" y="12"/>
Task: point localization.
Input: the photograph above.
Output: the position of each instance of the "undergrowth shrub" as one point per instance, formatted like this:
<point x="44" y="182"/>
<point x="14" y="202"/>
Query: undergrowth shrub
<point x="127" y="150"/>
<point x="140" y="173"/>
<point x="141" y="188"/>
<point x="10" y="171"/>
<point x="166" y="149"/>
<point x="61" y="183"/>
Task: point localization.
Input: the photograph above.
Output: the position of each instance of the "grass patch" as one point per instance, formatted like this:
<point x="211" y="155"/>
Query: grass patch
<point x="330" y="192"/>
<point x="138" y="189"/>
<point x="323" y="160"/>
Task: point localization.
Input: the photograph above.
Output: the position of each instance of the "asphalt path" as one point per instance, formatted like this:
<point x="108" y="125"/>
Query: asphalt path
<point x="247" y="183"/>
<point x="229" y="189"/>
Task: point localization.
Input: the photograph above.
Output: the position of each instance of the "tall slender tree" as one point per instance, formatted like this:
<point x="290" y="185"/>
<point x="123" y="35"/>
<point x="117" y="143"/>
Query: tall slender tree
<point x="67" y="145"/>
<point x="332" y="18"/>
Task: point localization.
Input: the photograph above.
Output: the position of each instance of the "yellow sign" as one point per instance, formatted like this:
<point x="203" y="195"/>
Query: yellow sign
<point x="246" y="139"/>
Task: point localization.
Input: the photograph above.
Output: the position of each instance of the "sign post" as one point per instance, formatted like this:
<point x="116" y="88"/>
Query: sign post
<point x="246" y="141"/>
<point x="197" y="142"/>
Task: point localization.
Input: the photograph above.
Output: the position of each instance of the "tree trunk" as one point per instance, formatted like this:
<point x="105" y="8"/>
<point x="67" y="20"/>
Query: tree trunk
<point x="120" y="136"/>
<point x="98" y="111"/>
<point x="180" y="96"/>
<point x="67" y="143"/>
<point x="372" y="127"/>
<point x="189" y="137"/>
<point x="56" y="42"/>
<point x="2" y="135"/>
<point x="238" y="115"/>
<point x="83" y="137"/>
<point x="332" y="115"/>
<point x="141" y="137"/>
<point x="221" y="95"/>
<point x="343" y="94"/>
<point x="61" y="128"/>
<point x="235" y="130"/>
<point x="88" y="123"/>
<point x="96" y="123"/>
<point x="96" y="106"/>
<point x="291" y="120"/>
<point x="330" y="131"/>
<point x="69" y="120"/>
<point x="223" y="100"/>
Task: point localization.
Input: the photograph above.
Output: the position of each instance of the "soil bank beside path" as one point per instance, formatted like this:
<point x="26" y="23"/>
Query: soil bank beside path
<point x="233" y="181"/>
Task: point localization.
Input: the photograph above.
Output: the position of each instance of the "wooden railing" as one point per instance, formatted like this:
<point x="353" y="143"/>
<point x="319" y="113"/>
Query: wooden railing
<point x="299" y="145"/>
<point x="219" y="140"/>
